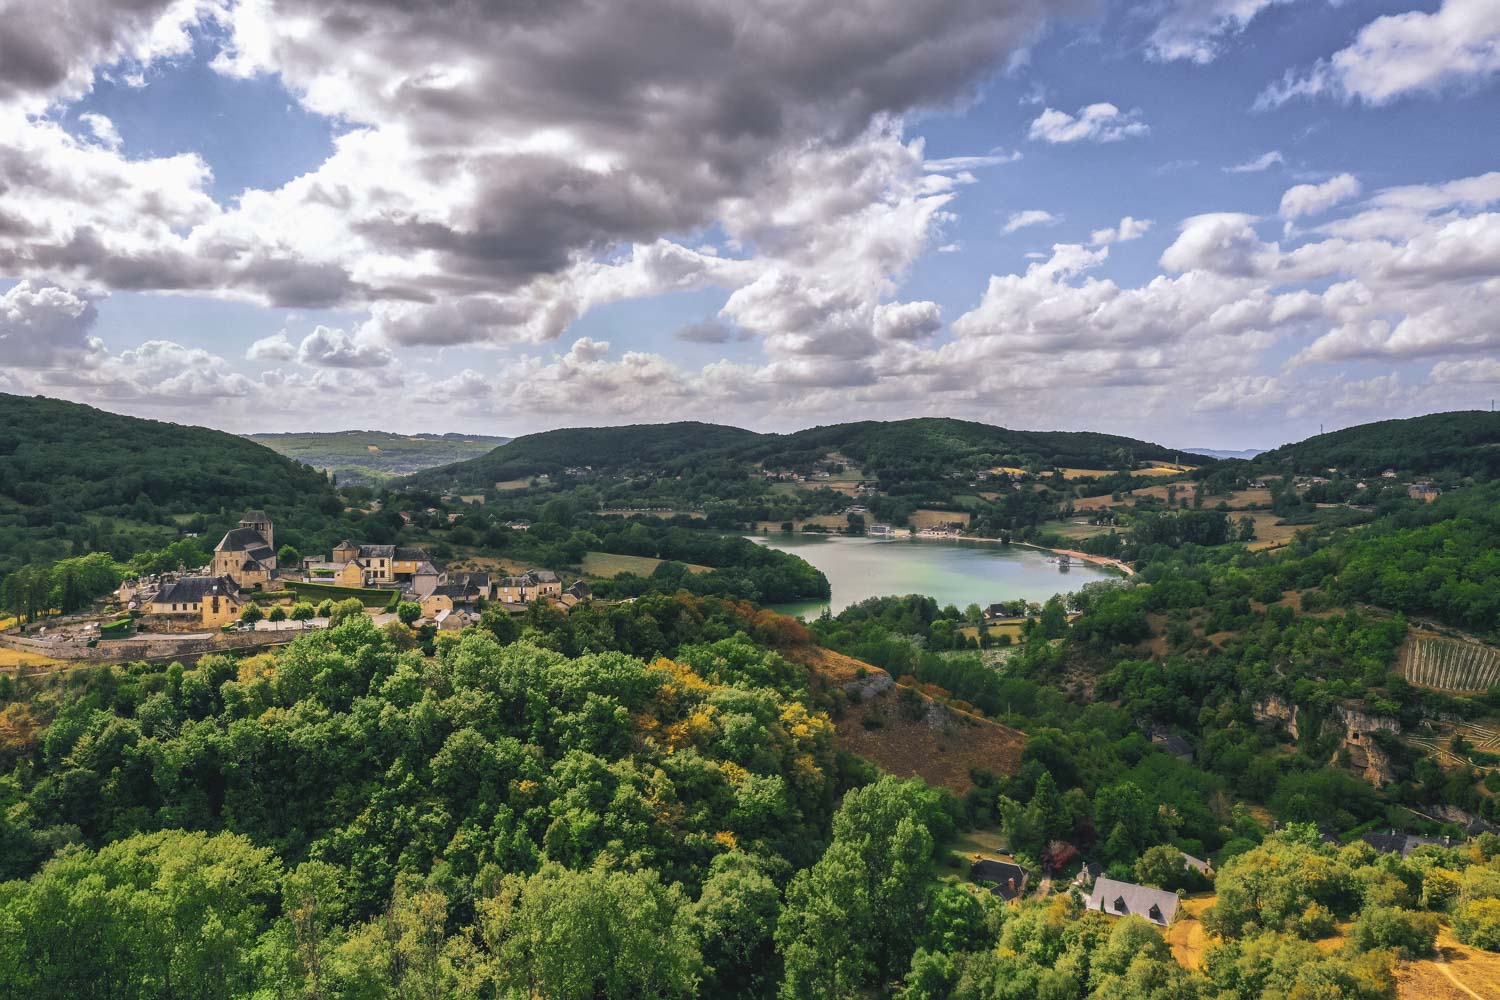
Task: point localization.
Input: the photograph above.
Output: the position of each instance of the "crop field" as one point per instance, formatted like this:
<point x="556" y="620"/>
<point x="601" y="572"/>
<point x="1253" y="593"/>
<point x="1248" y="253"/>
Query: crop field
<point x="1074" y="530"/>
<point x="1238" y="500"/>
<point x="512" y="484"/>
<point x="608" y="565"/>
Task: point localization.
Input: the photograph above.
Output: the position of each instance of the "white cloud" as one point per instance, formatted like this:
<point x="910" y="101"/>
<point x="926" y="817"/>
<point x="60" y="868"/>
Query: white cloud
<point x="1029" y="217"/>
<point x="329" y="348"/>
<point x="1315" y="199"/>
<point x="995" y="157"/>
<point x="276" y="347"/>
<point x="102" y="129"/>
<point x="1404" y="54"/>
<point x="1128" y="229"/>
<point x="907" y="321"/>
<point x="1101" y="122"/>
<point x="42" y="325"/>
<point x="1264" y="161"/>
<point x="1194" y="30"/>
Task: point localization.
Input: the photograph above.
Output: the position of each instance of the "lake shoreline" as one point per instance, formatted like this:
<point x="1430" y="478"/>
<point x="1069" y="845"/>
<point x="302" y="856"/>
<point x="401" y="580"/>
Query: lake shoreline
<point x="1087" y="557"/>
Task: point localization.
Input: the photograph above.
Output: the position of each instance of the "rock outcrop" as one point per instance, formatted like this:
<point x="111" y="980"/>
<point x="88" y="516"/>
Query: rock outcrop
<point x="1276" y="710"/>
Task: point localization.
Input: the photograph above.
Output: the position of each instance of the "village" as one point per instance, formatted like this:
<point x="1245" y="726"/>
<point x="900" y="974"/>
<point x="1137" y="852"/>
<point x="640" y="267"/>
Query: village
<point x="246" y="598"/>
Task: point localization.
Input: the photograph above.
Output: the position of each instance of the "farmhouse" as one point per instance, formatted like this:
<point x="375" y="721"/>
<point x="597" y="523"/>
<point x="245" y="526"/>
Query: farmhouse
<point x="195" y="602"/>
<point x="528" y="587"/>
<point x="1121" y="898"/>
<point x="1006" y="878"/>
<point x="247" y="554"/>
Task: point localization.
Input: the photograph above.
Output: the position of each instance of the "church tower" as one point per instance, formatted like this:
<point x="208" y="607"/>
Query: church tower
<point x="257" y="521"/>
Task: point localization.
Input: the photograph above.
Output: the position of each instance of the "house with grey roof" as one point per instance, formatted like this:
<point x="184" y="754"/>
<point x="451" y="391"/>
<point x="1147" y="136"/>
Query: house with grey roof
<point x="1120" y="899"/>
<point x="1006" y="879"/>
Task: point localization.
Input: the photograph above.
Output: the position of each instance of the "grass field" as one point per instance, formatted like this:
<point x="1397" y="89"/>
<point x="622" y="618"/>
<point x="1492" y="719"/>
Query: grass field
<point x="1458" y="973"/>
<point x="11" y="659"/>
<point x="1085" y="473"/>
<point x="1186" y="936"/>
<point x="1075" y="531"/>
<point x="924" y="518"/>
<point x="513" y="484"/>
<point x="996" y="631"/>
<point x="607" y="565"/>
<point x="1238" y="500"/>
<point x="1270" y="533"/>
<point x="317" y="592"/>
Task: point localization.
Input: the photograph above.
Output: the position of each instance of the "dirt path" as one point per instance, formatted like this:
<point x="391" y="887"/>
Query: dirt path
<point x="1442" y="966"/>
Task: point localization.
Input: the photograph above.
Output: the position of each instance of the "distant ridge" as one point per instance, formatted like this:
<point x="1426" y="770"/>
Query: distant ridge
<point x="1466" y="442"/>
<point x="372" y="457"/>
<point x="1245" y="453"/>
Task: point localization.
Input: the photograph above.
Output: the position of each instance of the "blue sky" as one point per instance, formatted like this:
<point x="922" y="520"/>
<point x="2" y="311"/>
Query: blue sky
<point x="1204" y="222"/>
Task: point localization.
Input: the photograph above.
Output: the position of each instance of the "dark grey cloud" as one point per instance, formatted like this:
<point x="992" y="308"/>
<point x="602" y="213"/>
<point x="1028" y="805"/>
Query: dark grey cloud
<point x="710" y="331"/>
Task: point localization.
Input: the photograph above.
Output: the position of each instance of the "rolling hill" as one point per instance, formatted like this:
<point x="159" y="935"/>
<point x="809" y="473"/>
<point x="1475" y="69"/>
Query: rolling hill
<point x="372" y="457"/>
<point x="899" y="449"/>
<point x="1463" y="442"/>
<point x="66" y="469"/>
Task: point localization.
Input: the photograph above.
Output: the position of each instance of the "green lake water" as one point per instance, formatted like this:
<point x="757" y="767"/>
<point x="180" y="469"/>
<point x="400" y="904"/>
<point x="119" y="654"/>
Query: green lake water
<point x="954" y="572"/>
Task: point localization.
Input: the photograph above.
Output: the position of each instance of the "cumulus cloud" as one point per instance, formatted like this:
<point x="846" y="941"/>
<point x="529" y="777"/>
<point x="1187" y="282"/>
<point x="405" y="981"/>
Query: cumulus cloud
<point x="277" y="347"/>
<point x="1315" y="199"/>
<point x="1102" y="122"/>
<point x="708" y="331"/>
<point x="1398" y="55"/>
<point x="102" y="129"/>
<point x="1195" y="30"/>
<point x="907" y="321"/>
<point x="1263" y="162"/>
<point x="42" y="325"/>
<point x="330" y="348"/>
<point x="1128" y="229"/>
<point x="1029" y="217"/>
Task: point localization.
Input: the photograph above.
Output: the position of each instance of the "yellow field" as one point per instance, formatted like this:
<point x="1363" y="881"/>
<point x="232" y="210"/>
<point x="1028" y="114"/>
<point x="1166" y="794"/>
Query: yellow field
<point x="607" y="565"/>
<point x="1009" y="470"/>
<point x="513" y="484"/>
<point x="1085" y="473"/>
<point x="833" y="522"/>
<point x="11" y="659"/>
<point x="1186" y="936"/>
<point x="924" y="518"/>
<point x="1458" y="973"/>
<point x="1238" y="500"/>
<point x="1269" y="532"/>
<point x="996" y="631"/>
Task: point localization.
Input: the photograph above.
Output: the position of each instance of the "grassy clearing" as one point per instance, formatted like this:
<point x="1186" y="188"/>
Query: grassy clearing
<point x="607" y="565"/>
<point x="996" y="631"/>
<point x="1270" y="532"/>
<point x="925" y="518"/>
<point x="13" y="659"/>
<point x="1085" y="473"/>
<point x="1074" y="531"/>
<point x="513" y="484"/>
<point x="1186" y="937"/>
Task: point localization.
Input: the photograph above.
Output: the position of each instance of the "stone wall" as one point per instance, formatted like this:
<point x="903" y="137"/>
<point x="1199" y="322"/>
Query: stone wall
<point x="155" y="647"/>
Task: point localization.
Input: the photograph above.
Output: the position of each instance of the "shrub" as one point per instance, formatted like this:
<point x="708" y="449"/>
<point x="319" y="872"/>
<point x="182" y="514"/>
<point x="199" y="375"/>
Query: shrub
<point x="1410" y="933"/>
<point x="1478" y="924"/>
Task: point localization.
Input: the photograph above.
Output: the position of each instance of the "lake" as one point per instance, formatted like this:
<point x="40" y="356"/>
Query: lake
<point x="954" y="572"/>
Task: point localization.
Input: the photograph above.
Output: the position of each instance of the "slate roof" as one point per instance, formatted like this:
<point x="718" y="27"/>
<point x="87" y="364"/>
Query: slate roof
<point x="242" y="540"/>
<point x="1197" y="864"/>
<point x="192" y="590"/>
<point x="1399" y="843"/>
<point x="256" y="515"/>
<point x="514" y="581"/>
<point x="425" y="569"/>
<point x="377" y="551"/>
<point x="407" y="553"/>
<point x="1121" y="898"/>
<point x="1008" y="877"/>
<point x="543" y="576"/>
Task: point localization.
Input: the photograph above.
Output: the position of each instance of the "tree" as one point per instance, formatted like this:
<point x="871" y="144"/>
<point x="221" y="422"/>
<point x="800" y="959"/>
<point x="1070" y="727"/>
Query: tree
<point x="287" y="556"/>
<point x="251" y="614"/>
<point x="278" y="614"/>
<point x="350" y="607"/>
<point x="408" y="612"/>
<point x="596" y="933"/>
<point x="325" y="608"/>
<point x="302" y="611"/>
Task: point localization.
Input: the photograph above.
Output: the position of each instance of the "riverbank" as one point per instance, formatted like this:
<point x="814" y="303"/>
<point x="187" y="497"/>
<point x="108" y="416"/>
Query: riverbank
<point x="1087" y="557"/>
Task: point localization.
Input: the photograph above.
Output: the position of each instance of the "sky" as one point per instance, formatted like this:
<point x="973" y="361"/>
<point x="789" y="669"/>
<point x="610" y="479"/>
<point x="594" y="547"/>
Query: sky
<point x="1207" y="223"/>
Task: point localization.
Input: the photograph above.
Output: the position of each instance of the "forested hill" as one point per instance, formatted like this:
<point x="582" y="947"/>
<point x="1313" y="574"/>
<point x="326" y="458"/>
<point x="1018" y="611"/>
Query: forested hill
<point x="898" y="449"/>
<point x="64" y="465"/>
<point x="374" y="456"/>
<point x="602" y="448"/>
<point x="1463" y="442"/>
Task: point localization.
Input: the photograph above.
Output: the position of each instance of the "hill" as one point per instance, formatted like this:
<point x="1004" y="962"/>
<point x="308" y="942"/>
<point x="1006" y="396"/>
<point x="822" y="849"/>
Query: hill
<point x="1463" y="443"/>
<point x="371" y="457"/>
<point x="74" y="478"/>
<point x="924" y="448"/>
<point x="600" y="448"/>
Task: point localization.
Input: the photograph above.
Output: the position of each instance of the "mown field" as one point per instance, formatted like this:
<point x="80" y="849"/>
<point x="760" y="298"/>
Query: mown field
<point x="608" y="565"/>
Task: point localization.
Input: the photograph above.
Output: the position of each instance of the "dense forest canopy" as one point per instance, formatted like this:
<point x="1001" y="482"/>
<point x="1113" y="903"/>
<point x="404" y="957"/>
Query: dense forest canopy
<point x="898" y="450"/>
<point x="1463" y="443"/>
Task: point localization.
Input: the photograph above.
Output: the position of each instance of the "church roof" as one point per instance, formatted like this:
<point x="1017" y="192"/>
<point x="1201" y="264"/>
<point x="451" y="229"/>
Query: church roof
<point x="257" y="516"/>
<point x="242" y="540"/>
